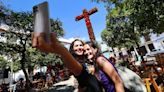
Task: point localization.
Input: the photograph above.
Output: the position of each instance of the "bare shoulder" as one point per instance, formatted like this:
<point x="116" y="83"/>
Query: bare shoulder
<point x="101" y="61"/>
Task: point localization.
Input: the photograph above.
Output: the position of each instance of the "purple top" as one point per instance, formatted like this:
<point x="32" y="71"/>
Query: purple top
<point x="106" y="81"/>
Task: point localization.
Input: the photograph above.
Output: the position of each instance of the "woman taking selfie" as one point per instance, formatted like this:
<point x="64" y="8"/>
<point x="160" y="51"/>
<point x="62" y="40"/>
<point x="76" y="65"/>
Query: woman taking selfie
<point x="72" y="61"/>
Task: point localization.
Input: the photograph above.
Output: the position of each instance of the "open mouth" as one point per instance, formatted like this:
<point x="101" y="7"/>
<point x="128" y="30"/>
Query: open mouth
<point x="79" y="51"/>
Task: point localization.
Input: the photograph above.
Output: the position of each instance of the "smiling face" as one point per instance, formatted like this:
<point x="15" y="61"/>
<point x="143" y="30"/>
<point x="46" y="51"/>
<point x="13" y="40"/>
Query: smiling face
<point x="78" y="48"/>
<point x="88" y="51"/>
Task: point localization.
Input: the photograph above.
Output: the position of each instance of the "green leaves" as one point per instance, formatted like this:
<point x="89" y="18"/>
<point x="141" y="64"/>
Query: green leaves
<point x="148" y="15"/>
<point x="18" y="38"/>
<point x="119" y="29"/>
<point x="3" y="62"/>
<point x="56" y="26"/>
<point x="127" y="20"/>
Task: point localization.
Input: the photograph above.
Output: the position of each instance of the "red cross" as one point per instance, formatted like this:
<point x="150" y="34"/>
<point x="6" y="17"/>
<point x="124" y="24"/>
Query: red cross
<point x="86" y="15"/>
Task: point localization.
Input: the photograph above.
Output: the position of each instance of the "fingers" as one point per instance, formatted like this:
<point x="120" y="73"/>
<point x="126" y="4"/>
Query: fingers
<point x="53" y="37"/>
<point x="38" y="41"/>
<point x="34" y="40"/>
<point x="42" y="45"/>
<point x="41" y="41"/>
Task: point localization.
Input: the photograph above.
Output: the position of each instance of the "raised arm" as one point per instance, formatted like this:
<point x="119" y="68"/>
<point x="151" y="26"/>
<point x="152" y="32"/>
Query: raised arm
<point x="111" y="72"/>
<point x="55" y="47"/>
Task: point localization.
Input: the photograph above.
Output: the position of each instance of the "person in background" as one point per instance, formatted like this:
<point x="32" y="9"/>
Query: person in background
<point x="106" y="72"/>
<point x="4" y="87"/>
<point x="20" y="86"/>
<point x="0" y="88"/>
<point x="85" y="80"/>
<point x="113" y="60"/>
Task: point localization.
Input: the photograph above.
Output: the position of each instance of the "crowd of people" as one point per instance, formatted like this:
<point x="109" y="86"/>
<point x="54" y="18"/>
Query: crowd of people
<point x="4" y="87"/>
<point x="39" y="80"/>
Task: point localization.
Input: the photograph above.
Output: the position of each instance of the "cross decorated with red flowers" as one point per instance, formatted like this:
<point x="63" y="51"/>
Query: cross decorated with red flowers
<point x="86" y="15"/>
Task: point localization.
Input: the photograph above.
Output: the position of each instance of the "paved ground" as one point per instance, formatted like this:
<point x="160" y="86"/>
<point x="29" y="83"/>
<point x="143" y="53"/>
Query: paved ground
<point x="69" y="85"/>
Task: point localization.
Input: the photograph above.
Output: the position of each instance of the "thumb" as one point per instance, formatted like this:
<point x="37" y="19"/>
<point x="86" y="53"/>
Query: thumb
<point x="41" y="40"/>
<point x="34" y="40"/>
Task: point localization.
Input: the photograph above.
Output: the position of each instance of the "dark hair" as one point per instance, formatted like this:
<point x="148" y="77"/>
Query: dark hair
<point x="71" y="50"/>
<point x="95" y="45"/>
<point x="83" y="58"/>
<point x="113" y="60"/>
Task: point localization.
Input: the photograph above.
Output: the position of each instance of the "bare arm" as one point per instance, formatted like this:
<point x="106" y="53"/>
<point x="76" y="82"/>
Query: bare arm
<point x="111" y="72"/>
<point x="70" y="61"/>
<point x="55" y="47"/>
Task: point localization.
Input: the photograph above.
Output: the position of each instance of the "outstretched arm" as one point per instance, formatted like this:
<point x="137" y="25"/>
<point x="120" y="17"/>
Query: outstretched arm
<point x="54" y="46"/>
<point x="111" y="72"/>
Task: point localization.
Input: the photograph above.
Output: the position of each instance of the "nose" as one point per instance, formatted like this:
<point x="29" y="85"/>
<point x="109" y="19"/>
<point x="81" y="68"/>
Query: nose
<point x="86" y="52"/>
<point x="80" y="49"/>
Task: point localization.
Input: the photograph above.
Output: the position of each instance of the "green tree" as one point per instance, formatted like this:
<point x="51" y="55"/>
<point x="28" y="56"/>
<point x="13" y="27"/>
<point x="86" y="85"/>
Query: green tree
<point x="135" y="18"/>
<point x="39" y="58"/>
<point x="148" y="15"/>
<point x="119" y="30"/>
<point x="3" y="62"/>
<point x="18" y="37"/>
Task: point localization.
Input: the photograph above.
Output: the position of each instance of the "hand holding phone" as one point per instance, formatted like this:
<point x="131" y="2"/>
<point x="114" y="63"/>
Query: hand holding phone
<point x="41" y="20"/>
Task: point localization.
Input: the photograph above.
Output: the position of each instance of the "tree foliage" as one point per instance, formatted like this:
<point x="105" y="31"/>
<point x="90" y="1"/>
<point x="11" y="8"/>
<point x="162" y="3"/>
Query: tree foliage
<point x="148" y="15"/>
<point x="121" y="29"/>
<point x="127" y="20"/>
<point x="3" y="62"/>
<point x="36" y="57"/>
<point x="17" y="41"/>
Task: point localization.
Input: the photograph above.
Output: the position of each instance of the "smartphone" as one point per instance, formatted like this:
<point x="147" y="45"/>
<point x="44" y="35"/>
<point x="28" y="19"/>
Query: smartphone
<point x="41" y="20"/>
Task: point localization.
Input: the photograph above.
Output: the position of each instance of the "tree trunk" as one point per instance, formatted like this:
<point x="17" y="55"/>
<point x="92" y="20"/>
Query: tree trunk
<point x="23" y="60"/>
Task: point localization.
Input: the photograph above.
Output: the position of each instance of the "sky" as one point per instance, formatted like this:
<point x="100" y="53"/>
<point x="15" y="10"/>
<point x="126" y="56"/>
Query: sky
<point x="66" y="11"/>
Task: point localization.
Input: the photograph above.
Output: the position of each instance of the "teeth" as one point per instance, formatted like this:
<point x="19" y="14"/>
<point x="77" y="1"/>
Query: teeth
<point x="79" y="51"/>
